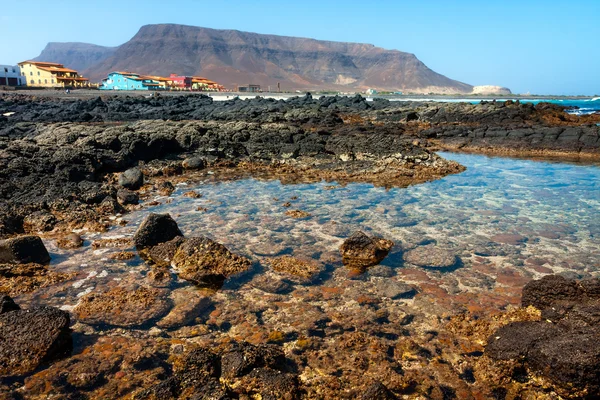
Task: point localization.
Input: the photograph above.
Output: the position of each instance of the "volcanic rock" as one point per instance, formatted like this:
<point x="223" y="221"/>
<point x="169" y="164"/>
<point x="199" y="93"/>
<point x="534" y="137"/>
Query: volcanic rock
<point x="564" y="345"/>
<point x="165" y="188"/>
<point x="244" y="357"/>
<point x="122" y="307"/>
<point x="270" y="284"/>
<point x="206" y="262"/>
<point x="361" y="251"/>
<point x="162" y="254"/>
<point x="194" y="163"/>
<point x="431" y="257"/>
<point x="31" y="337"/>
<point x="126" y="196"/>
<point x="7" y="304"/>
<point x="23" y="249"/>
<point x="155" y="229"/>
<point x="377" y="391"/>
<point x="131" y="179"/>
<point x="39" y="221"/>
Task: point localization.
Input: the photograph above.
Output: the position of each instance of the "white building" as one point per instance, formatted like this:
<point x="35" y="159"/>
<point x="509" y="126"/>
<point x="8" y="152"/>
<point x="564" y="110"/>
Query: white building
<point x="10" y="75"/>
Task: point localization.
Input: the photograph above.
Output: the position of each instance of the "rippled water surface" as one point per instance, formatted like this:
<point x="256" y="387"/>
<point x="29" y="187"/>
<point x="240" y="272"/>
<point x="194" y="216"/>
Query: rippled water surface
<point x="507" y="220"/>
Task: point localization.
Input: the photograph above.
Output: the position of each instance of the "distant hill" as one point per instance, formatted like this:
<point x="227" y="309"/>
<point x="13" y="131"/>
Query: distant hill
<point x="79" y="56"/>
<point x="235" y="58"/>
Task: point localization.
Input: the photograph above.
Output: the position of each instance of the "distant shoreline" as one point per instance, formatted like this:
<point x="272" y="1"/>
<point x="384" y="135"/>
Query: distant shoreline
<point x="90" y="93"/>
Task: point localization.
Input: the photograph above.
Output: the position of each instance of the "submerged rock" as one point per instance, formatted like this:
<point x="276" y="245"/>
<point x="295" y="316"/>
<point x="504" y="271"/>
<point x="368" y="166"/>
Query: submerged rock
<point x="361" y="251"/>
<point x="295" y="266"/>
<point x="206" y="262"/>
<point x="123" y="307"/>
<point x="155" y="229"/>
<point x="23" y="250"/>
<point x="131" y="179"/>
<point x="165" y="188"/>
<point x="16" y="279"/>
<point x="431" y="257"/>
<point x="31" y="337"/>
<point x="188" y="305"/>
<point x="71" y="241"/>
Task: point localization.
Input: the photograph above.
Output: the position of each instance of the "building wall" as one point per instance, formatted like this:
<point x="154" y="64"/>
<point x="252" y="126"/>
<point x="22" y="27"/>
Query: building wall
<point x="10" y="75"/>
<point x="120" y="82"/>
<point x="37" y="77"/>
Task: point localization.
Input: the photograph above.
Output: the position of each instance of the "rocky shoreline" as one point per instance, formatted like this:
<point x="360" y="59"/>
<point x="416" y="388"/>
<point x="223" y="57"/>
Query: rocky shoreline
<point x="171" y="333"/>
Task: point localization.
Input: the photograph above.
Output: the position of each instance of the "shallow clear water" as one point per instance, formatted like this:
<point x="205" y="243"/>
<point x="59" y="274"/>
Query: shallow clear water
<point x="553" y="207"/>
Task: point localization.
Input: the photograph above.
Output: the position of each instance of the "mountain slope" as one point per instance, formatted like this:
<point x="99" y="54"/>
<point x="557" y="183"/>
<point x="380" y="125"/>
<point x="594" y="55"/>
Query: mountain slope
<point x="79" y="56"/>
<point x="235" y="58"/>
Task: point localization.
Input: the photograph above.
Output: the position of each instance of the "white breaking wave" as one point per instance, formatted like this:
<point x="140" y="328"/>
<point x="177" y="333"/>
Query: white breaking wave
<point x="595" y="99"/>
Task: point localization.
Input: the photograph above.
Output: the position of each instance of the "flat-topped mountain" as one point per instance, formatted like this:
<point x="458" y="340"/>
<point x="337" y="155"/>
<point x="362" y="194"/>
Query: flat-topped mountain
<point x="234" y="58"/>
<point x="79" y="56"/>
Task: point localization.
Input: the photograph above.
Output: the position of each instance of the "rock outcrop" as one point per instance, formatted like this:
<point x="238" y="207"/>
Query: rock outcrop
<point x="564" y="346"/>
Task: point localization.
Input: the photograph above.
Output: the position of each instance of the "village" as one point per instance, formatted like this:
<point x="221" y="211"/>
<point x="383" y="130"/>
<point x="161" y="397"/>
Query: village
<point x="49" y="75"/>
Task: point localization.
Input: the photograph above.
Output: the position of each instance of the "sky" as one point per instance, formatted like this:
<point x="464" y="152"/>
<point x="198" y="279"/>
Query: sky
<point x="530" y="46"/>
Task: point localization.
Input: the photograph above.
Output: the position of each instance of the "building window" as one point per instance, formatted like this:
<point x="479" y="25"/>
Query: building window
<point x="40" y="81"/>
<point x="38" y="73"/>
<point x="31" y="73"/>
<point x="45" y="80"/>
<point x="52" y="80"/>
<point x="32" y="81"/>
<point x="6" y="70"/>
<point x="14" y="70"/>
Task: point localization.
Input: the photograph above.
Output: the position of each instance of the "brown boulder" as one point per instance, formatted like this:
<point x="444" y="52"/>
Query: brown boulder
<point x="23" y="250"/>
<point x="207" y="263"/>
<point x="361" y="251"/>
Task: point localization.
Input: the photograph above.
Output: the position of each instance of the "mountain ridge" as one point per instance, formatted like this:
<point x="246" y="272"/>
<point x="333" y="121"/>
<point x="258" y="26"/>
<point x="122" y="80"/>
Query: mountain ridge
<point x="234" y="57"/>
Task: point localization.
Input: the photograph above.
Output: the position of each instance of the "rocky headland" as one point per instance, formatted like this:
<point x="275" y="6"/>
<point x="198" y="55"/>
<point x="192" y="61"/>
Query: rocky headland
<point x="188" y="317"/>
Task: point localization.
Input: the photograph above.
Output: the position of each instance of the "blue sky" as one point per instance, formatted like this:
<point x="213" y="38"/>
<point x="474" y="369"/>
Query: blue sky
<point x="541" y="47"/>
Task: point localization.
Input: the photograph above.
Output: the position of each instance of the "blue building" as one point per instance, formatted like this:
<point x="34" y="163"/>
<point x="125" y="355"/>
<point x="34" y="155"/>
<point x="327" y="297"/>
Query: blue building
<point x="128" y="81"/>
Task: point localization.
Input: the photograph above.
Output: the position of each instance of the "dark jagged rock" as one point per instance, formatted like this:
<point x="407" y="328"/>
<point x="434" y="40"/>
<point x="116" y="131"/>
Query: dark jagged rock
<point x="126" y="196"/>
<point x="131" y="179"/>
<point x="23" y="250"/>
<point x="361" y="251"/>
<point x="7" y="304"/>
<point x="207" y="263"/>
<point x="162" y="254"/>
<point x="194" y="163"/>
<point x="564" y="346"/>
<point x="377" y="391"/>
<point x="29" y="338"/>
<point x="548" y="290"/>
<point x="155" y="229"/>
<point x="244" y="357"/>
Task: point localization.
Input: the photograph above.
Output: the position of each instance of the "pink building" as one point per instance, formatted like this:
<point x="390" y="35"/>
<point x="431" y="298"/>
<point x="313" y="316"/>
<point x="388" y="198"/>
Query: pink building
<point x="181" y="82"/>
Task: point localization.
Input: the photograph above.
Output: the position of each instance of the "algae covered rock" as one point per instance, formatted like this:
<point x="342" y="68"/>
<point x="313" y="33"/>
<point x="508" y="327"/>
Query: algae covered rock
<point x="31" y="337"/>
<point x="207" y="263"/>
<point x="125" y="307"/>
<point x="361" y="251"/>
<point x="155" y="229"/>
